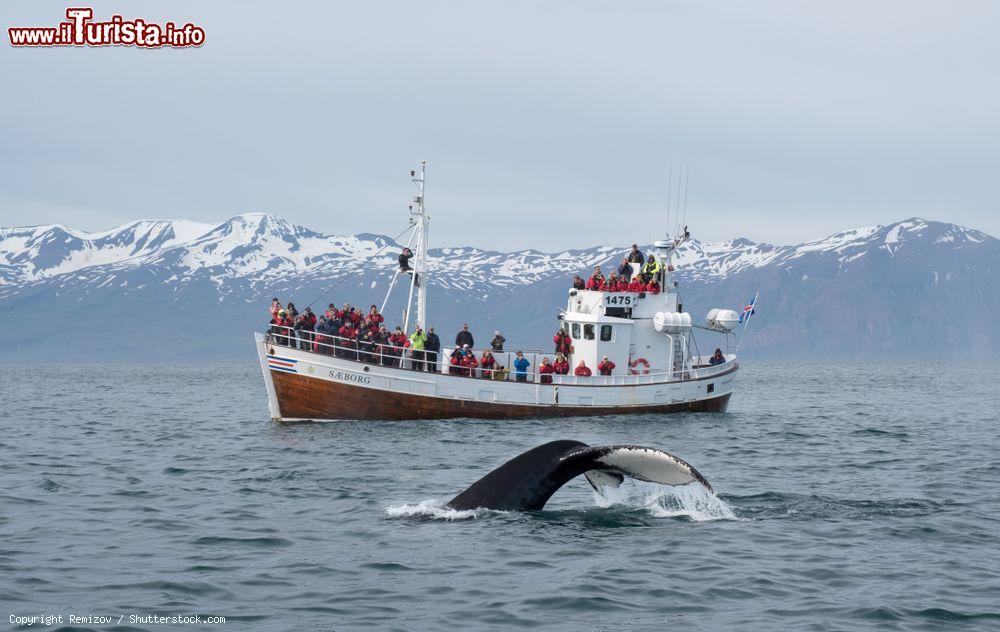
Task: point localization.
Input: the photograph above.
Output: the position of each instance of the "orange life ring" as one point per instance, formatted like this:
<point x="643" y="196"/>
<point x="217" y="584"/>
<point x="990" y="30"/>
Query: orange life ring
<point x="635" y="363"/>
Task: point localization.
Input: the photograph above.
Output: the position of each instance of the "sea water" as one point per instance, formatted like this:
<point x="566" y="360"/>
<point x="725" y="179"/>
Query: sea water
<point x="849" y="496"/>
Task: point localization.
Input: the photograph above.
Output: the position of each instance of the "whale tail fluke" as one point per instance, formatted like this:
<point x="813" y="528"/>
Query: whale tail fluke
<point x="526" y="482"/>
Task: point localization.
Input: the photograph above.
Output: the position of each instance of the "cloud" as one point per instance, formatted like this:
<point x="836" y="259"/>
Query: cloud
<point x="546" y="125"/>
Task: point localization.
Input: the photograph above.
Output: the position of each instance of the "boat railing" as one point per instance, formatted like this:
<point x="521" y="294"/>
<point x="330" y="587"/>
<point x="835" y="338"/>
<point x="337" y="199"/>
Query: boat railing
<point x="390" y="355"/>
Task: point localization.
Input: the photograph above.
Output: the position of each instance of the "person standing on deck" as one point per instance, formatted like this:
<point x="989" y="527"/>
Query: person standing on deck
<point x="563" y="342"/>
<point x="596" y="280"/>
<point x="582" y="370"/>
<point x="464" y="337"/>
<point x="521" y="365"/>
<point x="651" y="269"/>
<point x="487" y="362"/>
<point x="545" y="371"/>
<point x="418" y="342"/>
<point x="561" y="365"/>
<point x="635" y="255"/>
<point x="432" y="348"/>
<point x="606" y="366"/>
<point x="625" y="270"/>
<point x="497" y="342"/>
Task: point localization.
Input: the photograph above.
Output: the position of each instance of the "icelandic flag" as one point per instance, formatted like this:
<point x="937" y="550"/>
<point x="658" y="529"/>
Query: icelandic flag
<point x="748" y="311"/>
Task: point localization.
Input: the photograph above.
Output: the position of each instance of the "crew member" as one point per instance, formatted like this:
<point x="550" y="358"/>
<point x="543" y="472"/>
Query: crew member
<point x="404" y="265"/>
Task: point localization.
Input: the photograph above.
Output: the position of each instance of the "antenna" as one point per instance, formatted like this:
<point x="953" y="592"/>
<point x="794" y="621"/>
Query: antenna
<point x="670" y="183"/>
<point x="687" y="178"/>
<point x="677" y="204"/>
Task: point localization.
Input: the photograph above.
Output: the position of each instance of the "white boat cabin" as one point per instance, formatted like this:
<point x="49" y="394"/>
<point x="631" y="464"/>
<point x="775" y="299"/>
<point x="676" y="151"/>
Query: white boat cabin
<point x="640" y="332"/>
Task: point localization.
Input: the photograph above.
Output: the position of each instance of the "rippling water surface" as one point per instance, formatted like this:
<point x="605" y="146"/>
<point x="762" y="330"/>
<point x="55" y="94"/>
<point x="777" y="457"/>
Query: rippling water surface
<point x="850" y="496"/>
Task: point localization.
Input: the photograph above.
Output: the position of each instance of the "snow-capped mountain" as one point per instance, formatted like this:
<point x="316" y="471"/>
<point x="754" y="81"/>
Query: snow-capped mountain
<point x="162" y="289"/>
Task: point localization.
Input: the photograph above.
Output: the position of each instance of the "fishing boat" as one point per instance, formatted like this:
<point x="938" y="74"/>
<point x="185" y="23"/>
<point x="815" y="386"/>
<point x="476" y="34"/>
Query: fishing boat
<point x="645" y="335"/>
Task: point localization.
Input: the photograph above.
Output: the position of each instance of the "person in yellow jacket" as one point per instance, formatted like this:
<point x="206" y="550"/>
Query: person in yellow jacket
<point x="418" y="342"/>
<point x="651" y="269"/>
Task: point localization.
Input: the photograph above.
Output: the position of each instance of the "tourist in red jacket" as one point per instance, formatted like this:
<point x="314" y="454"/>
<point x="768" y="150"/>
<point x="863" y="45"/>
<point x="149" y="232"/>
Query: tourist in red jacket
<point x="582" y="370"/>
<point x="398" y="341"/>
<point x="561" y="365"/>
<point x="563" y="342"/>
<point x="278" y="328"/>
<point x="374" y="316"/>
<point x="611" y="283"/>
<point x="545" y="369"/>
<point x="606" y="366"/>
<point x="637" y="285"/>
<point x="488" y="362"/>
<point x="653" y="287"/>
<point x="469" y="362"/>
<point x="382" y="345"/>
<point x="596" y="280"/>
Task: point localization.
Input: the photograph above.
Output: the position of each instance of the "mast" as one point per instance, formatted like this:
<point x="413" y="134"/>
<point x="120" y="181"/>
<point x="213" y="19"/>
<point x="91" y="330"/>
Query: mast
<point x="419" y="217"/>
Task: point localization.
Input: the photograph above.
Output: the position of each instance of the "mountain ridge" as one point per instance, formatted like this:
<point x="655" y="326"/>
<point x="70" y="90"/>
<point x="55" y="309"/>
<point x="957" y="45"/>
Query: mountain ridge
<point x="875" y="279"/>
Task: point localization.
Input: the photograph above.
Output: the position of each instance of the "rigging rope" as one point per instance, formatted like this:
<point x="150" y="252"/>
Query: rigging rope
<point x="347" y="276"/>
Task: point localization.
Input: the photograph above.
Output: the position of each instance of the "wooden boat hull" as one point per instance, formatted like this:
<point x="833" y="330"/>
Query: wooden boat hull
<point x="301" y="397"/>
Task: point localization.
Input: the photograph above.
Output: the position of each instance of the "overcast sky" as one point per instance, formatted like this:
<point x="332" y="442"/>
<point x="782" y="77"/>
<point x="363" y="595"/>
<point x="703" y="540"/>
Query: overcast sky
<point x="544" y="124"/>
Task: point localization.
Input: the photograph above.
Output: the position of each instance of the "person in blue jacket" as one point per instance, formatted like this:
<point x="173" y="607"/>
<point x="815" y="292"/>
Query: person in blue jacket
<point x="521" y="365"/>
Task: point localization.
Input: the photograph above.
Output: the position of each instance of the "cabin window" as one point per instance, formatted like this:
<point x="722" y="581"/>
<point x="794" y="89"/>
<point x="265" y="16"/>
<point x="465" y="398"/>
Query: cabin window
<point x="588" y="332"/>
<point x="576" y="331"/>
<point x="606" y="333"/>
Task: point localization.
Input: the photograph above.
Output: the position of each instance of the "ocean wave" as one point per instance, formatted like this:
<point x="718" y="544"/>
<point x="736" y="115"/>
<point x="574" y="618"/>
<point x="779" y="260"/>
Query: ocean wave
<point x="434" y="508"/>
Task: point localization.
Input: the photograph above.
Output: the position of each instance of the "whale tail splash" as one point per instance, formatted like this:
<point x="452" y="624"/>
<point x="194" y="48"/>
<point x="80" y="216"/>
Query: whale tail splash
<point x="526" y="482"/>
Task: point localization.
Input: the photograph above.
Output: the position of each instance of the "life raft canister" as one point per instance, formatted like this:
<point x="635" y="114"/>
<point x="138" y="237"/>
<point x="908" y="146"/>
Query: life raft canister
<point x="634" y="370"/>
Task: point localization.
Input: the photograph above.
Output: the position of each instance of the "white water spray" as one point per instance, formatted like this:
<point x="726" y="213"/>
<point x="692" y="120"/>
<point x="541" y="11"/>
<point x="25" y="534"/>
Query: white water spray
<point x="434" y="508"/>
<point x="692" y="501"/>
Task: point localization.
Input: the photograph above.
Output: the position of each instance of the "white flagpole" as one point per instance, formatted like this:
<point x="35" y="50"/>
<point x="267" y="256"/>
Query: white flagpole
<point x="747" y="323"/>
